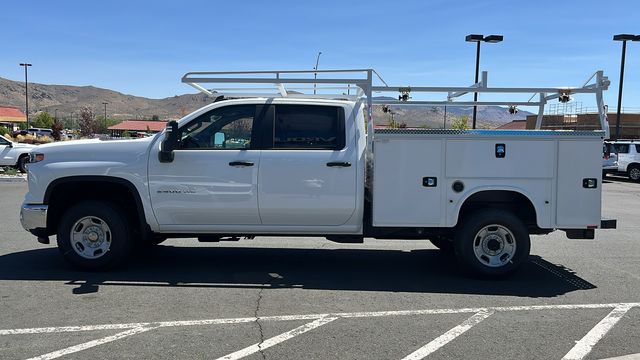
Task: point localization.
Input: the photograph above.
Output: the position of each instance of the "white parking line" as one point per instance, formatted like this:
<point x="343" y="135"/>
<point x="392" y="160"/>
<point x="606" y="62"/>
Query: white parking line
<point x="447" y="337"/>
<point x="92" y="343"/>
<point x="277" y="339"/>
<point x="586" y="344"/>
<point x="309" y="317"/>
<point x="580" y="350"/>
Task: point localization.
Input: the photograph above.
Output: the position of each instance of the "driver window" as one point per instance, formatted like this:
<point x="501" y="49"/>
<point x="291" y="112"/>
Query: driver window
<point x="223" y="128"/>
<point x="3" y="141"/>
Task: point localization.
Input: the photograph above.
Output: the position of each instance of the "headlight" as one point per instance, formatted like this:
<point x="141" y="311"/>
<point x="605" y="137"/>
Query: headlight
<point x="35" y="157"/>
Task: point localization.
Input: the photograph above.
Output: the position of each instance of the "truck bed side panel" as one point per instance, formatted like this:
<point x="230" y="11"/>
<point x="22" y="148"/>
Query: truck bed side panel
<point x="401" y="199"/>
<point x="577" y="206"/>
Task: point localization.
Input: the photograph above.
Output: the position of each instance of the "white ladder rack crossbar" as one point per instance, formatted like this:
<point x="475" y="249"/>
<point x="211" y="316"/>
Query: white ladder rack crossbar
<point x="363" y="82"/>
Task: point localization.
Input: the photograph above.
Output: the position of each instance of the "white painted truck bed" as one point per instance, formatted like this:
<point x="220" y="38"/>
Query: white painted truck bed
<point x="548" y="167"/>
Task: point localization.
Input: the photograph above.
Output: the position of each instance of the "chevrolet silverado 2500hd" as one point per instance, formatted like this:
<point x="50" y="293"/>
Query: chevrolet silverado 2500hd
<point x="290" y="164"/>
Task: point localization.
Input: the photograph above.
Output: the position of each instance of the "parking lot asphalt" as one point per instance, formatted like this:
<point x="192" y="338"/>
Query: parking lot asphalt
<point x="308" y="298"/>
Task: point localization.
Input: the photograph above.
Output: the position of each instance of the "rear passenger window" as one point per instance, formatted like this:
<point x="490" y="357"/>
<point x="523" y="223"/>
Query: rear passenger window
<point x="308" y="127"/>
<point x="638" y="148"/>
<point x="622" y="148"/>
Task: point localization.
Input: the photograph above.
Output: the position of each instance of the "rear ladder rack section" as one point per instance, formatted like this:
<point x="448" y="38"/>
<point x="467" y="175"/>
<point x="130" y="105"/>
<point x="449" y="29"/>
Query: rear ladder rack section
<point x="361" y="82"/>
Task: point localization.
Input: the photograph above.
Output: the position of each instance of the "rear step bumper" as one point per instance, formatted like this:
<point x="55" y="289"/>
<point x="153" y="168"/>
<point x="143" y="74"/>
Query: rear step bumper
<point x="591" y="233"/>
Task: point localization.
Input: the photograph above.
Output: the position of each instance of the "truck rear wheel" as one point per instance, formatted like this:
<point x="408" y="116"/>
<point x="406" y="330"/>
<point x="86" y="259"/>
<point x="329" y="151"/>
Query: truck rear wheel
<point x="492" y="242"/>
<point x="94" y="235"/>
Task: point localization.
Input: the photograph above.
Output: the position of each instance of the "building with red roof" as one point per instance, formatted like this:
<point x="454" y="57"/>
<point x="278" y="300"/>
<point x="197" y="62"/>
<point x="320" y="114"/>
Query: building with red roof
<point x="135" y="126"/>
<point x="11" y="116"/>
<point x="514" y="125"/>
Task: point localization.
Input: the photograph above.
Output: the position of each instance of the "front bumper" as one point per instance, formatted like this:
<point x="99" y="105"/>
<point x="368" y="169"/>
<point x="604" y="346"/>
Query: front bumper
<point x="34" y="219"/>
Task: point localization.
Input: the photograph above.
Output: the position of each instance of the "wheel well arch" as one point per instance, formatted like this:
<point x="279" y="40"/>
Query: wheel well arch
<point x="506" y="199"/>
<point x="65" y="192"/>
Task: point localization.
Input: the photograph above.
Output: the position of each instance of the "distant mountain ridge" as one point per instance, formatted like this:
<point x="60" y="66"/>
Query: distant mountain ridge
<point x="68" y="99"/>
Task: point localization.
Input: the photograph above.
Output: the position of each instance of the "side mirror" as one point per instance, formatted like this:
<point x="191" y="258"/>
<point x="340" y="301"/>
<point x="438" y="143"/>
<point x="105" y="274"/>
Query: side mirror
<point x="170" y="142"/>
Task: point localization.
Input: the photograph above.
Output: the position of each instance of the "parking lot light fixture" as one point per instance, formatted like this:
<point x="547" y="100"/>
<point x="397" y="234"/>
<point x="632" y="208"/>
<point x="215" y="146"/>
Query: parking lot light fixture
<point x="478" y="38"/>
<point x="624" y="38"/>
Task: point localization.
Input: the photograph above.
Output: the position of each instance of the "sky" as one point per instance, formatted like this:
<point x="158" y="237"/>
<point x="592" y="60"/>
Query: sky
<point x="144" y="47"/>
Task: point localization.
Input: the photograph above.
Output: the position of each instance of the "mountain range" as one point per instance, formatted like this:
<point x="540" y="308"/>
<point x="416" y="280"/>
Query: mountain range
<point x="68" y="100"/>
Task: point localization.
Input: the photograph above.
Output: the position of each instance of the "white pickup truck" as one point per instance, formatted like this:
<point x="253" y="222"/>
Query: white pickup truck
<point x="14" y="154"/>
<point x="291" y="164"/>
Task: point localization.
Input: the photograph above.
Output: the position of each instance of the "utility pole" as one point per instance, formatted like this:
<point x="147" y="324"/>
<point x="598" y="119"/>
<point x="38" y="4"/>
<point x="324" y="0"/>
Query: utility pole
<point x="26" y="92"/>
<point x="624" y="38"/>
<point x="105" y="114"/>
<point x="444" y="123"/>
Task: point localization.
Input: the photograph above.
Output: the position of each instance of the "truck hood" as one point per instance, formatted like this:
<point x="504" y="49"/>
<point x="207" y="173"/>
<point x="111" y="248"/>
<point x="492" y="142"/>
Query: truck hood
<point x="23" y="145"/>
<point x="95" y="150"/>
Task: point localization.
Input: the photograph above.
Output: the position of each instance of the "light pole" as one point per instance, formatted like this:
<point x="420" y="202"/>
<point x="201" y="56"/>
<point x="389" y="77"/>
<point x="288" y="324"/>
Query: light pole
<point x="315" y="74"/>
<point x="476" y="38"/>
<point x="444" y="122"/>
<point x="105" y="114"/>
<point x="26" y="92"/>
<point x="624" y="38"/>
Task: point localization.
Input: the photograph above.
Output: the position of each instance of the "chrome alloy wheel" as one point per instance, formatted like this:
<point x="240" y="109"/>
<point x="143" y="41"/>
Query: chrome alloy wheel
<point x="494" y="245"/>
<point x="634" y="174"/>
<point x="90" y="237"/>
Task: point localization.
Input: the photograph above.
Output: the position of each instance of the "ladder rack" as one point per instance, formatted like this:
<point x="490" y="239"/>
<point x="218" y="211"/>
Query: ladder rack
<point x="361" y="82"/>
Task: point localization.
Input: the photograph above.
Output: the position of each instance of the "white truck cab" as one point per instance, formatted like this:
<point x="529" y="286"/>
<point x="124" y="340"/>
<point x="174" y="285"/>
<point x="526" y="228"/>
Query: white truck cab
<point x="301" y="165"/>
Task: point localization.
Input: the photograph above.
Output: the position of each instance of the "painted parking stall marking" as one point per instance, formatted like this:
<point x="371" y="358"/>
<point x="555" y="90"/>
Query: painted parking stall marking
<point x="581" y="349"/>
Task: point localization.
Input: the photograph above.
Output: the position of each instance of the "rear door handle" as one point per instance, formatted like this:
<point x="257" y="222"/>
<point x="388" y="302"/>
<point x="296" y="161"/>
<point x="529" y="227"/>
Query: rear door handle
<point x="241" y="163"/>
<point x="338" y="164"/>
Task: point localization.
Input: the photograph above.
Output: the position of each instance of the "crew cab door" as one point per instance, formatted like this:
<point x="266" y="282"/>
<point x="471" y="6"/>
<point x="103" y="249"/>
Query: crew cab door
<point x="308" y="166"/>
<point x="213" y="178"/>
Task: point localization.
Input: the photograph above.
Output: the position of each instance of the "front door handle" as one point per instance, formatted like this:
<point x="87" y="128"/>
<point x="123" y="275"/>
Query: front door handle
<point x="338" y="164"/>
<point x="241" y="163"/>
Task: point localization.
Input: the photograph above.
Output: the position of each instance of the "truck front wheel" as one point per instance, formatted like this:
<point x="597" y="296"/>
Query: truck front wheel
<point x="492" y="242"/>
<point x="93" y="235"/>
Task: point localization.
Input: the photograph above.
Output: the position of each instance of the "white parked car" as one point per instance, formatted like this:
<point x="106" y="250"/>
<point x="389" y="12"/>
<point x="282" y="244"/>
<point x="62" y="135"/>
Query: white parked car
<point x="14" y="154"/>
<point x="628" y="152"/>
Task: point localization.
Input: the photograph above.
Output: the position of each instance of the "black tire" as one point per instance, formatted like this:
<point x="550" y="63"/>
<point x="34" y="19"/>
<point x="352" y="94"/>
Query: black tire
<point x="117" y="237"/>
<point x="504" y="234"/>
<point x="22" y="163"/>
<point x="445" y="245"/>
<point x="634" y="172"/>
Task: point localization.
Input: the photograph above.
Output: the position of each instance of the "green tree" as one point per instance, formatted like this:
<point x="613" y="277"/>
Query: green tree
<point x="460" y="123"/>
<point x="43" y="120"/>
<point x="102" y="125"/>
<point x="3" y="130"/>
<point x="155" y="117"/>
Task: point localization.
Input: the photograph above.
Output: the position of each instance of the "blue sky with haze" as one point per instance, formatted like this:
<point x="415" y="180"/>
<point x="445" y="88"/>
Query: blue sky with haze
<point x="144" y="47"/>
